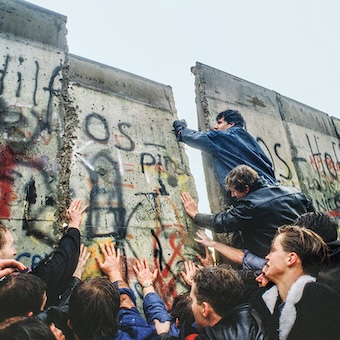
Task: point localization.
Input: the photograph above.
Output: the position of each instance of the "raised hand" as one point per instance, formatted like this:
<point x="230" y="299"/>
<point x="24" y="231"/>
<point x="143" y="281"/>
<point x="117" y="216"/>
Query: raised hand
<point x="190" y="206"/>
<point x="189" y="272"/>
<point x="204" y="239"/>
<point x="74" y="213"/>
<point x="144" y="273"/>
<point x="111" y="265"/>
<point x="83" y="258"/>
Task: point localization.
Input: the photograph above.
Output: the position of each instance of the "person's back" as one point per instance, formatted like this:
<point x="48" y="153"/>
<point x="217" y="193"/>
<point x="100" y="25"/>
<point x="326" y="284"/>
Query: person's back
<point x="229" y="144"/>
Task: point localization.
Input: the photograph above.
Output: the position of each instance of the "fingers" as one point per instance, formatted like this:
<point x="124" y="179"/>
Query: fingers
<point x="75" y="205"/>
<point x="207" y="253"/>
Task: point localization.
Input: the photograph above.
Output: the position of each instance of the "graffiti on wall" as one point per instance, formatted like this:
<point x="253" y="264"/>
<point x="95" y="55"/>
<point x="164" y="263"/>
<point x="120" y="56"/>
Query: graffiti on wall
<point x="320" y="171"/>
<point x="130" y="183"/>
<point x="31" y="126"/>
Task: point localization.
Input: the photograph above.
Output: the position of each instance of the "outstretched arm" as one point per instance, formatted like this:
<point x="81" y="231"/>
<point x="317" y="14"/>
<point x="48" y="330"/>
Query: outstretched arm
<point x="111" y="266"/>
<point x="233" y="254"/>
<point x="57" y="269"/>
<point x="145" y="276"/>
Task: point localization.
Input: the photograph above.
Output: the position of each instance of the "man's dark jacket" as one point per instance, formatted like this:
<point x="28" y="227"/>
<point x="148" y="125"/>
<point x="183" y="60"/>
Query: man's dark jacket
<point x="229" y="149"/>
<point x="259" y="214"/>
<point x="243" y="322"/>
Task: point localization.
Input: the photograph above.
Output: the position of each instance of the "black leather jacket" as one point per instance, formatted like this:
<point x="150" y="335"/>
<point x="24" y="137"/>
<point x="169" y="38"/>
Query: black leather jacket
<point x="242" y="323"/>
<point x="259" y="214"/>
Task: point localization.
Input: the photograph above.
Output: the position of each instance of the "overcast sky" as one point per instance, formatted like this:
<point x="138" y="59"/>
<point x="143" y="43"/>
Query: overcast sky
<point x="291" y="46"/>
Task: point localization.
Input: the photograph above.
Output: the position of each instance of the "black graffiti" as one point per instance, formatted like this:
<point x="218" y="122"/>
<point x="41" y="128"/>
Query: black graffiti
<point x="91" y="121"/>
<point x="14" y="119"/>
<point x="106" y="210"/>
<point x="3" y="74"/>
<point x="289" y="174"/>
<point x="122" y="131"/>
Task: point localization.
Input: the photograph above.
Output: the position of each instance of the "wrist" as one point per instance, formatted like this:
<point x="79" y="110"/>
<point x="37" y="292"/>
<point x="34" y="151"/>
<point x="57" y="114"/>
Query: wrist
<point x="147" y="284"/>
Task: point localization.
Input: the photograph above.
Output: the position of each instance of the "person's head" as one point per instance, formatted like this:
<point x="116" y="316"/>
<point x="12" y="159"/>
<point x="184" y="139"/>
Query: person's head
<point x="227" y="119"/>
<point x="23" y="295"/>
<point x="215" y="291"/>
<point x="322" y="224"/>
<point x="25" y="328"/>
<point x="181" y="308"/>
<point x="7" y="250"/>
<point x="241" y="180"/>
<point x="93" y="309"/>
<point x="298" y="249"/>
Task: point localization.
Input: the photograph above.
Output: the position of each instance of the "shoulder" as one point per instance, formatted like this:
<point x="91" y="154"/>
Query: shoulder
<point x="241" y="323"/>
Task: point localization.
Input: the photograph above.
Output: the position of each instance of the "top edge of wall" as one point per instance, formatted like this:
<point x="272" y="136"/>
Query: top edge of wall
<point x="92" y="74"/>
<point x="291" y="110"/>
<point x="28" y="21"/>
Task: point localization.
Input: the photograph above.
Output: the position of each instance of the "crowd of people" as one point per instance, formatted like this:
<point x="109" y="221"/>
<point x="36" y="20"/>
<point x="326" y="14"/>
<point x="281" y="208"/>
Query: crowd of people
<point x="283" y="283"/>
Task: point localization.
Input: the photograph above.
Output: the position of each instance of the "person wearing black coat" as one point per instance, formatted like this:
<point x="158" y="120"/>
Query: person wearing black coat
<point x="260" y="209"/>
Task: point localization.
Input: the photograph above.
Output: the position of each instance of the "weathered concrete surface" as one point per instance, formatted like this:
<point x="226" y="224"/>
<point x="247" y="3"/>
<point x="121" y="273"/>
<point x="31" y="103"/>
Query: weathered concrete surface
<point x="71" y="128"/>
<point x="303" y="143"/>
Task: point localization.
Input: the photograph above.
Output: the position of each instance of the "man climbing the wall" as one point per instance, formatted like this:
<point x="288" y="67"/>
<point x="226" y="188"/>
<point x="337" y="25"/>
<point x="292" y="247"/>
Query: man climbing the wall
<point x="229" y="144"/>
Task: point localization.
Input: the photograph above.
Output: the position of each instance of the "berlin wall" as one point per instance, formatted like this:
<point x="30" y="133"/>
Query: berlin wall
<point x="302" y="143"/>
<point x="74" y="128"/>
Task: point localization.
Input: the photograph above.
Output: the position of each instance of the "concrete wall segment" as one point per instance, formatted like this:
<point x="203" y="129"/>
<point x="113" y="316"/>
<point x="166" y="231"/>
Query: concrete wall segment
<point x="71" y="127"/>
<point x="24" y="20"/>
<point x="302" y="142"/>
<point x="102" y="77"/>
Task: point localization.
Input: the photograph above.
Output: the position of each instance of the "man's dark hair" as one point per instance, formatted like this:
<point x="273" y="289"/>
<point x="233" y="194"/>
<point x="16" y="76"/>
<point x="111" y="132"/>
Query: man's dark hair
<point x="220" y="286"/>
<point x="181" y="308"/>
<point x="25" y="328"/>
<point x="321" y="223"/>
<point x="231" y="116"/>
<point x="240" y="177"/>
<point x="307" y="244"/>
<point x="20" y="295"/>
<point x="93" y="309"/>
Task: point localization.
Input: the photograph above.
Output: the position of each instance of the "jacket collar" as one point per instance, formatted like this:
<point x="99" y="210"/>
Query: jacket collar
<point x="288" y="314"/>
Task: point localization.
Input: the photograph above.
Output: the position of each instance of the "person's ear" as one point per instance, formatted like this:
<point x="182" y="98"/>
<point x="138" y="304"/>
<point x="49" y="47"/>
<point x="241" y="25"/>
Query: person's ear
<point x="292" y="258"/>
<point x="206" y="309"/>
<point x="30" y="314"/>
<point x="247" y="189"/>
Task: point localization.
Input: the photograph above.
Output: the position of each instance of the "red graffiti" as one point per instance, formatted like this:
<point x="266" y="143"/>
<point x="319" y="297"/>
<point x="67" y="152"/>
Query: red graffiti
<point x="7" y="162"/>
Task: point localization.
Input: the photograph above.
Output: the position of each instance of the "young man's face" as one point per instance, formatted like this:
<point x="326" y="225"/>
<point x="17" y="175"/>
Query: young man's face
<point x="239" y="194"/>
<point x="276" y="260"/>
<point x="221" y="124"/>
<point x="8" y="251"/>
